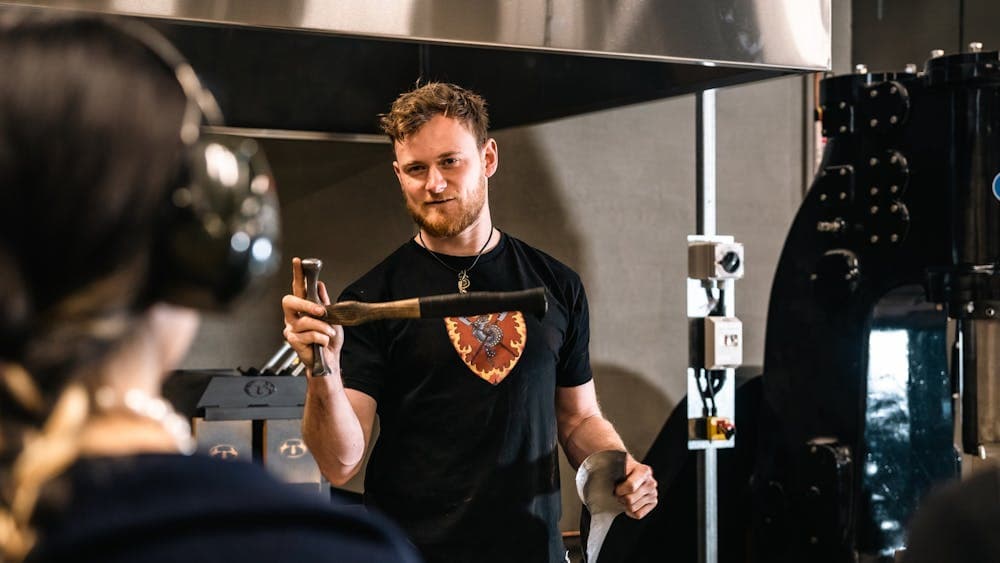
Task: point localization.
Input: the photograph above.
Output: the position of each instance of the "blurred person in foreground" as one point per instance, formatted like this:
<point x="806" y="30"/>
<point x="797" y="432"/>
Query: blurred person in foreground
<point x="958" y="522"/>
<point x="96" y="127"/>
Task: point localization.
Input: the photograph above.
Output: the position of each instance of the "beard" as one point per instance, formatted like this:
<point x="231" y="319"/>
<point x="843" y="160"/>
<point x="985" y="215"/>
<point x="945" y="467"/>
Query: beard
<point x="443" y="226"/>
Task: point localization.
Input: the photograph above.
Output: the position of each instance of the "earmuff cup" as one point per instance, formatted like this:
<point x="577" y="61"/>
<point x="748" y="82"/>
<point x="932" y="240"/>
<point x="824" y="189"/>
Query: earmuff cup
<point x="222" y="227"/>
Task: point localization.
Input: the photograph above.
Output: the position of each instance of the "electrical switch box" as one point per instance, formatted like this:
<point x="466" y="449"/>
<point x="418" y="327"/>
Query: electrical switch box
<point x="713" y="260"/>
<point x="723" y="342"/>
<point x="711" y="428"/>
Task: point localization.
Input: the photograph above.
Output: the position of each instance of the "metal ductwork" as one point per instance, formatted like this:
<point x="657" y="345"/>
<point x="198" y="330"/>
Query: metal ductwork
<point x="326" y="67"/>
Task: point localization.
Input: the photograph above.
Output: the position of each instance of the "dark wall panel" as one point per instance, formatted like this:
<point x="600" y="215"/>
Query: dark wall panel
<point x="888" y="34"/>
<point x="981" y="22"/>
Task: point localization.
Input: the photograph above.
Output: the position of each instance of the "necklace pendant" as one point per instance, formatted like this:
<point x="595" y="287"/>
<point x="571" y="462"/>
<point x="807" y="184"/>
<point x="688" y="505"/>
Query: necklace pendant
<point x="463" y="282"/>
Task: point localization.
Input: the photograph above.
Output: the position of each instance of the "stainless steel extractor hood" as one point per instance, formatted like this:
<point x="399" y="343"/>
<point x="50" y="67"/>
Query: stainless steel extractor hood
<point x="330" y="66"/>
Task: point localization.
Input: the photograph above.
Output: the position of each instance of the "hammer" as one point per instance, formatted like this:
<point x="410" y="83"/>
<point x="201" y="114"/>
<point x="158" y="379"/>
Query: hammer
<point x="349" y="313"/>
<point x="310" y="270"/>
<point x="471" y="304"/>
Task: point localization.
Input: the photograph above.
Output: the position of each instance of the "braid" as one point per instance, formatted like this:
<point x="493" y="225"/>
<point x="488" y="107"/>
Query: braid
<point x="21" y="388"/>
<point x="44" y="456"/>
<point x="71" y="338"/>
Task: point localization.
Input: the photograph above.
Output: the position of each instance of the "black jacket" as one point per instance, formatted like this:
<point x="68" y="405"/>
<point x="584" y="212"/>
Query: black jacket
<point x="158" y="508"/>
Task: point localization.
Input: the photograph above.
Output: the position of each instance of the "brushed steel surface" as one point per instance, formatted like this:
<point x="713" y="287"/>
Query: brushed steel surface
<point x="293" y="135"/>
<point x="790" y="34"/>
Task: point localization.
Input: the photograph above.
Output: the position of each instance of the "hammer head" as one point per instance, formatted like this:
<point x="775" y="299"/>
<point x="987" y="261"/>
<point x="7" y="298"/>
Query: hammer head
<point x="310" y="271"/>
<point x="311" y="266"/>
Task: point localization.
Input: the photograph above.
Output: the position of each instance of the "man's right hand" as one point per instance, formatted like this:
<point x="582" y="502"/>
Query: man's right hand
<point x="302" y="330"/>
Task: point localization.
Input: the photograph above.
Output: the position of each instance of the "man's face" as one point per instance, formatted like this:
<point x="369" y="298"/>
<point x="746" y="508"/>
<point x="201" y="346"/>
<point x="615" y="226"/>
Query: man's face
<point x="443" y="176"/>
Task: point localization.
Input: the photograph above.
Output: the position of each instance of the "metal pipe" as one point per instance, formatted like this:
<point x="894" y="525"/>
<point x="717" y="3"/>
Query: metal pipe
<point x="285" y="348"/>
<point x="705" y="162"/>
<point x="708" y="506"/>
<point x="705" y="225"/>
<point x="287" y="363"/>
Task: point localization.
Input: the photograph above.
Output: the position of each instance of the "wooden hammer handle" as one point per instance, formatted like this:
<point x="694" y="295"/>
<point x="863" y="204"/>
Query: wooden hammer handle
<point x="529" y="301"/>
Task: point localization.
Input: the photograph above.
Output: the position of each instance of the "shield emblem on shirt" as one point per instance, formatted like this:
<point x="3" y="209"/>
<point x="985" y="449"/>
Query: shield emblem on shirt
<point x="489" y="345"/>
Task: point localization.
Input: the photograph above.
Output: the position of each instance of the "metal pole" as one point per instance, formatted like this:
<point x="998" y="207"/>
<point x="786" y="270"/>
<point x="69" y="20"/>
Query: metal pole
<point x="285" y="348"/>
<point x="707" y="475"/>
<point x="708" y="506"/>
<point x="705" y="162"/>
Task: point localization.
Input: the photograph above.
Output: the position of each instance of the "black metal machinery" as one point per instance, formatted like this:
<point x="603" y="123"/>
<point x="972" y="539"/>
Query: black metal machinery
<point x="883" y="311"/>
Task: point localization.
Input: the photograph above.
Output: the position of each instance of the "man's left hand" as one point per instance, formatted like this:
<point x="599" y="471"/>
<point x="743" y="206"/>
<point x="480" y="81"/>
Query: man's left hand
<point x="638" y="491"/>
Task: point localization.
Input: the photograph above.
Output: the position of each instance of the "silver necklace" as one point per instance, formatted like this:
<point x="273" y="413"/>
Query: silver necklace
<point x="463" y="275"/>
<point x="146" y="406"/>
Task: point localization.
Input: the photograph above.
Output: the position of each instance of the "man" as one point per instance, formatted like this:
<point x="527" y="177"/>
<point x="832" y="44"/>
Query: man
<point x="469" y="408"/>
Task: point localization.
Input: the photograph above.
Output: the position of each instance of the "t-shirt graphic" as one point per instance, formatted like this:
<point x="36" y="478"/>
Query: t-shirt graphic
<point x="490" y="345"/>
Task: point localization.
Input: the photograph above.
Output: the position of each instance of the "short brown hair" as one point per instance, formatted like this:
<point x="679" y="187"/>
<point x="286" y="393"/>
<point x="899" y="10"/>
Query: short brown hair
<point x="413" y="109"/>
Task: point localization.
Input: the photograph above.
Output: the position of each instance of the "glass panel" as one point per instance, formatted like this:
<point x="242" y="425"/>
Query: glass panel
<point x="908" y="416"/>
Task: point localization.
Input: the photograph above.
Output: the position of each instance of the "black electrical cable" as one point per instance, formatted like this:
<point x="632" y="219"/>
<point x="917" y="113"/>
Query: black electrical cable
<point x="707" y="392"/>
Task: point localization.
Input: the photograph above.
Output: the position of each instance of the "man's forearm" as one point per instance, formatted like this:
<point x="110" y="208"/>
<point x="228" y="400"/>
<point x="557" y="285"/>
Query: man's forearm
<point x="583" y="430"/>
<point x="331" y="428"/>
<point x="591" y="434"/>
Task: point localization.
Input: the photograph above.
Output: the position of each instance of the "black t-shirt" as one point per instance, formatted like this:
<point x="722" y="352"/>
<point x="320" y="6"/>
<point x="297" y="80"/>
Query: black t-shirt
<point x="167" y="508"/>
<point x="466" y="461"/>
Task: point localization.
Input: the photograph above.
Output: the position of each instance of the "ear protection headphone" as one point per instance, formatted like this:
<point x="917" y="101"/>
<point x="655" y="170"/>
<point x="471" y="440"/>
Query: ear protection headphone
<point x="220" y="230"/>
